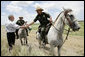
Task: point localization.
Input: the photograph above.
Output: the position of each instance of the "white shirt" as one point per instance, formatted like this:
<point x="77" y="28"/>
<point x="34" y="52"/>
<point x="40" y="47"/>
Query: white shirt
<point x="11" y="26"/>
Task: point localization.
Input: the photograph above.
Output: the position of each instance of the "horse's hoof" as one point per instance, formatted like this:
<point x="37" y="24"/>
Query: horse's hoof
<point x="43" y="45"/>
<point x="22" y="44"/>
<point x="27" y="45"/>
<point x="30" y="48"/>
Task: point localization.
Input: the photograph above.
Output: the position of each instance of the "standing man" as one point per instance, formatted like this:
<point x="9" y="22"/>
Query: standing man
<point x="45" y="22"/>
<point x="10" y="28"/>
<point x="20" y="22"/>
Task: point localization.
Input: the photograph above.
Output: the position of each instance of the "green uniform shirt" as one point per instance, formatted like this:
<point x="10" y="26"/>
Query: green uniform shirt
<point x="43" y="19"/>
<point x="20" y="22"/>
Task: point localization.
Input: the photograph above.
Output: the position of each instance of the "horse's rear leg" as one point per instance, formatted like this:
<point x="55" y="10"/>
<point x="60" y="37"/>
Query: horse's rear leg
<point x="39" y="43"/>
<point x="59" y="50"/>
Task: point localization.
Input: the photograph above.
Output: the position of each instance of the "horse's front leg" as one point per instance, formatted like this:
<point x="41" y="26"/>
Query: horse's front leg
<point x="52" y="50"/>
<point x="21" y="41"/>
<point x="24" y="41"/>
<point x="59" y="48"/>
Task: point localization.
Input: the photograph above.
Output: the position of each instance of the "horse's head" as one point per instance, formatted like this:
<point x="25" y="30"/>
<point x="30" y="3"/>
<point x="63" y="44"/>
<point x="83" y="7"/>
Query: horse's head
<point x="70" y="20"/>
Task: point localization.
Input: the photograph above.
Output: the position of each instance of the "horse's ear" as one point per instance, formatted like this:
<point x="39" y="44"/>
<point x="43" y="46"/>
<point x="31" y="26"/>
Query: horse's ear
<point x="64" y="9"/>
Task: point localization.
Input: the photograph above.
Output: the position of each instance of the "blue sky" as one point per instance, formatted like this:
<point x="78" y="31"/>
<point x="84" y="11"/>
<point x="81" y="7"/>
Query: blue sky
<point x="27" y="9"/>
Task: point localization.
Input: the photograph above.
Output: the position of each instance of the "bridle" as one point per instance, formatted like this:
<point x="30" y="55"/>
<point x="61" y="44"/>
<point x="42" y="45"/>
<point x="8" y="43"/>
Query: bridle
<point x="64" y="24"/>
<point x="70" y="23"/>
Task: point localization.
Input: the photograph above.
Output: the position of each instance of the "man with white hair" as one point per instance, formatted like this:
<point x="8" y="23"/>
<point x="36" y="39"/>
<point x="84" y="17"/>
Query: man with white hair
<point x="11" y="28"/>
<point x="45" y="22"/>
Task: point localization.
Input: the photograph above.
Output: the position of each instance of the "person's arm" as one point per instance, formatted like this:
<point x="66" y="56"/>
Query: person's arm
<point x="30" y="24"/>
<point x="24" y="22"/>
<point x="17" y="26"/>
<point x="50" y="18"/>
<point x="17" y="22"/>
<point x="22" y="26"/>
<point x="36" y="18"/>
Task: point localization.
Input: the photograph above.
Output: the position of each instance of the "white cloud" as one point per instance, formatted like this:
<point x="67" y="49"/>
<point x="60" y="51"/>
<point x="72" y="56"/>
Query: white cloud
<point x="13" y="8"/>
<point x="16" y="6"/>
<point x="22" y="3"/>
<point x="4" y="18"/>
<point x="45" y="5"/>
<point x="76" y="6"/>
<point x="26" y="15"/>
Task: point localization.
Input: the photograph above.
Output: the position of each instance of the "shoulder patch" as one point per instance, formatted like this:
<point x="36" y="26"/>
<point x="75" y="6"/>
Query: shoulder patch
<point x="43" y="15"/>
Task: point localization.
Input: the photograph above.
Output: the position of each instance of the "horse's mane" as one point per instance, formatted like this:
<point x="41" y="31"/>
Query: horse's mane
<point x="57" y="17"/>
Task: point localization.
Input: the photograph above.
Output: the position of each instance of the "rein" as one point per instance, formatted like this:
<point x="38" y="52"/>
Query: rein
<point x="66" y="38"/>
<point x="64" y="29"/>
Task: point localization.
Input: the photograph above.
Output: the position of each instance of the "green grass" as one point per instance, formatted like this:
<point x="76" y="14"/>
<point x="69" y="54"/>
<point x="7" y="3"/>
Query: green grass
<point x="35" y="26"/>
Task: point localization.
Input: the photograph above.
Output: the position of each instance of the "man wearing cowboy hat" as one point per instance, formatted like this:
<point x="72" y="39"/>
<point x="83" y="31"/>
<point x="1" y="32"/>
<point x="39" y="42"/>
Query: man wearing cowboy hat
<point x="44" y="19"/>
<point x="20" y="22"/>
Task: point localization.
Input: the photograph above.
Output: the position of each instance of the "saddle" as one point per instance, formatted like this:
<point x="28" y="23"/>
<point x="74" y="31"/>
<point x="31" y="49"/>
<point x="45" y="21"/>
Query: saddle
<point x="44" y="29"/>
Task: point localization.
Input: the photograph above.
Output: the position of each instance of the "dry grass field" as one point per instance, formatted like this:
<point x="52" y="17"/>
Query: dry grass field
<point x="74" y="46"/>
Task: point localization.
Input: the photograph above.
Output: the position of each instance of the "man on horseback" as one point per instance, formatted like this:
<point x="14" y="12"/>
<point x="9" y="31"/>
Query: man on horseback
<point x="20" y="22"/>
<point x="45" y="23"/>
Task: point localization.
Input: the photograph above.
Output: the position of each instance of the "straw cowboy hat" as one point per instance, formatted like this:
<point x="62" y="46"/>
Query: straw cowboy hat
<point x="39" y="8"/>
<point x="21" y="17"/>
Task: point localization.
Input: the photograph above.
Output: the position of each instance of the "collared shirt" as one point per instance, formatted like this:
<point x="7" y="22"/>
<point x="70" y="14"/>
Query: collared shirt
<point x="11" y="26"/>
<point x="43" y="18"/>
